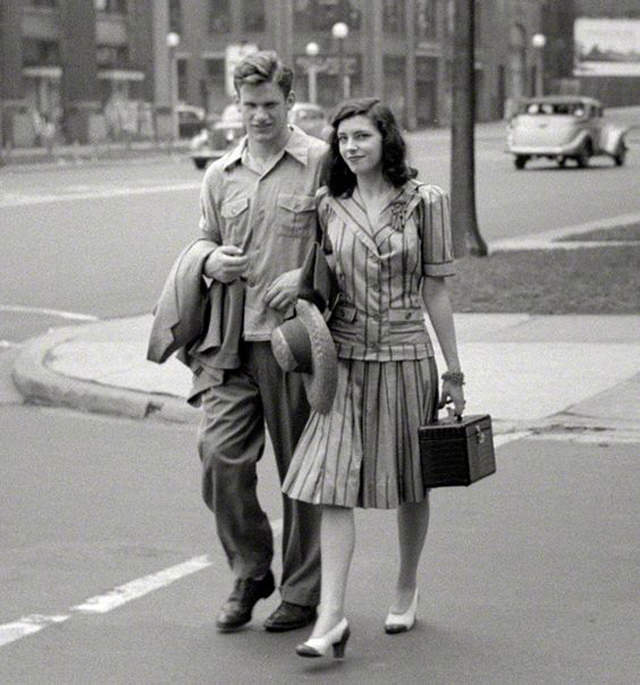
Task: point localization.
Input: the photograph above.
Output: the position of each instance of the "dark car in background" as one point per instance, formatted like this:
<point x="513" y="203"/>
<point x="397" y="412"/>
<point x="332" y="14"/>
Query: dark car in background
<point x="212" y="142"/>
<point x="191" y="120"/>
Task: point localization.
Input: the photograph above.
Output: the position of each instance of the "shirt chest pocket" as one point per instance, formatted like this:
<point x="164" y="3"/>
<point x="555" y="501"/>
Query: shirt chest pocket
<point x="296" y="215"/>
<point x="235" y="213"/>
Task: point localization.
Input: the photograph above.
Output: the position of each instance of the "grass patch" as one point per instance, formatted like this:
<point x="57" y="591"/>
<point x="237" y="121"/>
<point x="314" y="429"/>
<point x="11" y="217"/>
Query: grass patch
<point x="630" y="233"/>
<point x="602" y="280"/>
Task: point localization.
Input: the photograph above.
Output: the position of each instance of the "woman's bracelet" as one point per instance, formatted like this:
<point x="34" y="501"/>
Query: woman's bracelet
<point x="455" y="377"/>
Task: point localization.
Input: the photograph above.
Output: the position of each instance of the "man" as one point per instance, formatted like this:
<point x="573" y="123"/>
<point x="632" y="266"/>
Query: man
<point x="258" y="209"/>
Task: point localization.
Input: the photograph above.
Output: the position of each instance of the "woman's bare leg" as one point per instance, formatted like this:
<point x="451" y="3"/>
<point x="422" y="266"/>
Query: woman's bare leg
<point x="413" y="523"/>
<point x="337" y="541"/>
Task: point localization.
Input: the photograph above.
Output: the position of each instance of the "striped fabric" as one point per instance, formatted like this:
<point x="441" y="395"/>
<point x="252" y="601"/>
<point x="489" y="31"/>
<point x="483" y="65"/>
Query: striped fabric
<point x="365" y="452"/>
<point x="380" y="268"/>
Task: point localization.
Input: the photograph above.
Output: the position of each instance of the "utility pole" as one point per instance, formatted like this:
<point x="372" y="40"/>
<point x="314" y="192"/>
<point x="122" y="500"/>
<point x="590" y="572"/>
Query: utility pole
<point x="466" y="235"/>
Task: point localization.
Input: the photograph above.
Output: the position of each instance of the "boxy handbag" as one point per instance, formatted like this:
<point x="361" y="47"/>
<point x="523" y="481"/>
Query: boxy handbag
<point x="457" y="450"/>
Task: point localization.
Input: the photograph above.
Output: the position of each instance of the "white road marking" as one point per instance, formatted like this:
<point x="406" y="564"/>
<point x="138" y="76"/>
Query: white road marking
<point x="25" y="200"/>
<point x="48" y="312"/>
<point x="27" y="625"/>
<point x="139" y="587"/>
<point x="101" y="604"/>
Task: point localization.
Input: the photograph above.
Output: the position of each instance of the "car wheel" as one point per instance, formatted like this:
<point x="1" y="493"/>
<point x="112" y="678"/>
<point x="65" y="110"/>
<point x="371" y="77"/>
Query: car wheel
<point x="620" y="156"/>
<point x="582" y="158"/>
<point x="200" y="163"/>
<point x="520" y="161"/>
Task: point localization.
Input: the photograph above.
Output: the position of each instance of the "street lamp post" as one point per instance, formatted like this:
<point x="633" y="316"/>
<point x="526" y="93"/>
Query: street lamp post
<point x="312" y="49"/>
<point x="173" y="40"/>
<point x="538" y="41"/>
<point x="340" y="31"/>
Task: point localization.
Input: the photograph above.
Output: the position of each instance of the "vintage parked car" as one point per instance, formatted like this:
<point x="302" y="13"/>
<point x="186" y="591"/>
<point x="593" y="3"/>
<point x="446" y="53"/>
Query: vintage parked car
<point x="310" y="118"/>
<point x="191" y="120"/>
<point x="212" y="142"/>
<point x="562" y="127"/>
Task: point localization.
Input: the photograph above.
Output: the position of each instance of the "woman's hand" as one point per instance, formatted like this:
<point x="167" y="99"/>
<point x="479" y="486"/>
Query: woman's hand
<point x="452" y="393"/>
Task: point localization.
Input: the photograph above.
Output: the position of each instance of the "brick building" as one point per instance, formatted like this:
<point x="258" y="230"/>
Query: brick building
<point x="99" y="69"/>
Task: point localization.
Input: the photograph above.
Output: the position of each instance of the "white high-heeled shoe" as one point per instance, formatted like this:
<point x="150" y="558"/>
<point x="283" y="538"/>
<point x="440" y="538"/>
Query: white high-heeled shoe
<point x="401" y="623"/>
<point x="318" y="646"/>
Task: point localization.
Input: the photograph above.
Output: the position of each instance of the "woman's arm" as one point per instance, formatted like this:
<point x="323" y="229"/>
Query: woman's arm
<point x="438" y="304"/>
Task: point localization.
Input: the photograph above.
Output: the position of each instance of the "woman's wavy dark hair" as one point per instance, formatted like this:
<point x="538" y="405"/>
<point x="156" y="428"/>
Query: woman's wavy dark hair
<point x="337" y="176"/>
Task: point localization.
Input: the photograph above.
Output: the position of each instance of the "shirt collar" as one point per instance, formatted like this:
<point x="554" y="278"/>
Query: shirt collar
<point x="297" y="146"/>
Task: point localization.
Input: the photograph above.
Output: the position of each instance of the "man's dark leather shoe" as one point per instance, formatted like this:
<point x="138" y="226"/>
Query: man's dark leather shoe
<point x="237" y="610"/>
<point x="290" y="616"/>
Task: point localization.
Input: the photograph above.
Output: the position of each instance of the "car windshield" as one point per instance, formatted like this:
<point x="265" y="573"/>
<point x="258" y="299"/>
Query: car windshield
<point x="572" y="108"/>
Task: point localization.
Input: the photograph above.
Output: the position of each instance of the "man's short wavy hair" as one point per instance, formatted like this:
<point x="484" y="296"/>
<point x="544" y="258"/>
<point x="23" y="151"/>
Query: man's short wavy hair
<point x="263" y="67"/>
<point x="340" y="180"/>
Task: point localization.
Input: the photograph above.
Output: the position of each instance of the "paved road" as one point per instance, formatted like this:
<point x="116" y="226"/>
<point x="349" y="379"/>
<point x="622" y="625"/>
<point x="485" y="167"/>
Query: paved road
<point x="99" y="240"/>
<point x="530" y="576"/>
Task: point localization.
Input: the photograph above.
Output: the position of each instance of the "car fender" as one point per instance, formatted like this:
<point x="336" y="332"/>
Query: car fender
<point x="612" y="138"/>
<point x="581" y="138"/>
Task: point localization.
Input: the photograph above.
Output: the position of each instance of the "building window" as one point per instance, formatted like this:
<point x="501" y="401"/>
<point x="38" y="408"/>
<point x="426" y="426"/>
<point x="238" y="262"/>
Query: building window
<point x="254" y="18"/>
<point x="219" y="16"/>
<point x="182" y="79"/>
<point x="215" y="70"/>
<point x="478" y="19"/>
<point x="40" y="52"/>
<point x="112" y="56"/>
<point x="321" y="15"/>
<point x="393" y="16"/>
<point x="426" y="17"/>
<point x="43" y="3"/>
<point x="111" y="6"/>
<point x="175" y="16"/>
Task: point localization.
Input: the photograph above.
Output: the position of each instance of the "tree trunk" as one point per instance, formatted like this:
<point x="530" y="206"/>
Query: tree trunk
<point x="466" y="235"/>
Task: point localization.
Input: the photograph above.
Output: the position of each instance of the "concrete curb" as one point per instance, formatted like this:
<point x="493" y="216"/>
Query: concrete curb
<point x="549" y="240"/>
<point x="40" y="385"/>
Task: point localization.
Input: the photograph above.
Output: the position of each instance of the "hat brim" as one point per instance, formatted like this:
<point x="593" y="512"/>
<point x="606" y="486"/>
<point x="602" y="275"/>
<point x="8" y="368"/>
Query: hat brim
<point x="322" y="382"/>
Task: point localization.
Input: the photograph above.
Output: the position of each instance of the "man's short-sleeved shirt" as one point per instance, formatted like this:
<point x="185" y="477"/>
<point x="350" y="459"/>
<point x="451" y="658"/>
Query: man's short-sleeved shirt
<point x="270" y="215"/>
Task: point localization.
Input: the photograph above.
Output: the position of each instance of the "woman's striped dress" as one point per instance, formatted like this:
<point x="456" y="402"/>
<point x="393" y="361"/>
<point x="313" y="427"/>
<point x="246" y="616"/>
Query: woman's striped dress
<point x="364" y="452"/>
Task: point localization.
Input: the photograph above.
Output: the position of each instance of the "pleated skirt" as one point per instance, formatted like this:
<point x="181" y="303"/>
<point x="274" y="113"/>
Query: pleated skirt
<point x="365" y="452"/>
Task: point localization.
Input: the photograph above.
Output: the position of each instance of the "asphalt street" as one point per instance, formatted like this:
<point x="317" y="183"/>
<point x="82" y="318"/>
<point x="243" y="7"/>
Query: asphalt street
<point x="529" y="576"/>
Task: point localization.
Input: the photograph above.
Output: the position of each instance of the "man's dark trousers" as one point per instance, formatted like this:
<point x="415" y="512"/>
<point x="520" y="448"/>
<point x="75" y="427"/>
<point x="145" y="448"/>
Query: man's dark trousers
<point x="231" y="440"/>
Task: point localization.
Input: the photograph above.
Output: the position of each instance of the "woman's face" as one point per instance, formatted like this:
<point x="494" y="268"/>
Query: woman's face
<point x="360" y="144"/>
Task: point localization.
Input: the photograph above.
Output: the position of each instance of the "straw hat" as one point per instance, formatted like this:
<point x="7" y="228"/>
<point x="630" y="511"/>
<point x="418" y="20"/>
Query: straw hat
<point x="304" y="345"/>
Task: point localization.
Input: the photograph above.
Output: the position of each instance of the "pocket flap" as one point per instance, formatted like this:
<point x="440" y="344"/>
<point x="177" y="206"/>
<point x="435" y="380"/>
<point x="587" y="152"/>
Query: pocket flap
<point x="297" y="203"/>
<point x="405" y="315"/>
<point x="234" y="207"/>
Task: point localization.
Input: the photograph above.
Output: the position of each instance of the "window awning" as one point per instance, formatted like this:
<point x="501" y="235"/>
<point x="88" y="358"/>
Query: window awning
<point x="42" y="71"/>
<point x="121" y="75"/>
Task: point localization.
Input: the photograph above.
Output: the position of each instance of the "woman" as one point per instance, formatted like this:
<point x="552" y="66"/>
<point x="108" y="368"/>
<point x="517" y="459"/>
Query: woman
<point x="388" y="239"/>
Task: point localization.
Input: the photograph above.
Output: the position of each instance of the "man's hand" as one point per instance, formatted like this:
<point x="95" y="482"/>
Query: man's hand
<point x="283" y="291"/>
<point x="226" y="263"/>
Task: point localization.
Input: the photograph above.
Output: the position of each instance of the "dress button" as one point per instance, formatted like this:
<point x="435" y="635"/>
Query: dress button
<point x="407" y="315"/>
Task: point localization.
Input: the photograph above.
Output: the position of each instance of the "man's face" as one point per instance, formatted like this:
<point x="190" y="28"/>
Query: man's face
<point x="264" y="111"/>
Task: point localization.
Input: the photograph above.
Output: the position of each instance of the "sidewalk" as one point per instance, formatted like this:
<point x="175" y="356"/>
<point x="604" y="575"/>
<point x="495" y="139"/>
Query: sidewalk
<point x="97" y="152"/>
<point x="531" y="373"/>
